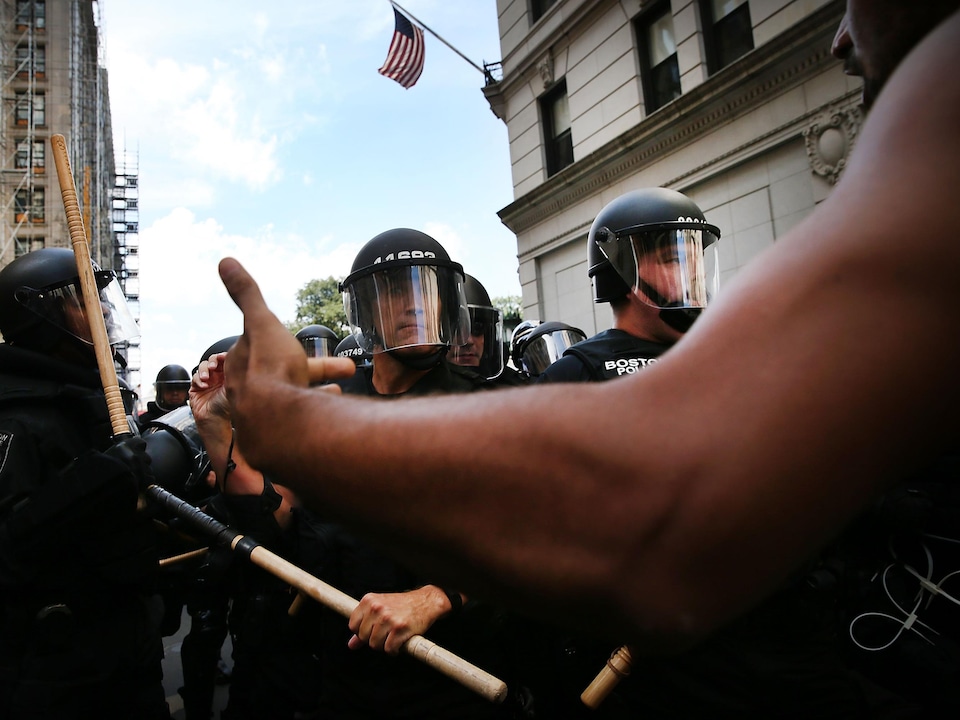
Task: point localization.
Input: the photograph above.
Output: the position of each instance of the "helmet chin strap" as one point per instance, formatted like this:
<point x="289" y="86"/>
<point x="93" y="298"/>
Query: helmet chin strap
<point x="679" y="318"/>
<point x="421" y="362"/>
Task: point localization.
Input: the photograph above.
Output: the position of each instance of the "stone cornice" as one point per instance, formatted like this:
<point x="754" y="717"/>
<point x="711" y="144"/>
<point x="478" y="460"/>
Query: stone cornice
<point x="532" y="53"/>
<point x="780" y="65"/>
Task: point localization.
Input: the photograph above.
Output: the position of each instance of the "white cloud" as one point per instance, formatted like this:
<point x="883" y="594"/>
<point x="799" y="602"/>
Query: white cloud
<point x="184" y="307"/>
<point x="451" y="241"/>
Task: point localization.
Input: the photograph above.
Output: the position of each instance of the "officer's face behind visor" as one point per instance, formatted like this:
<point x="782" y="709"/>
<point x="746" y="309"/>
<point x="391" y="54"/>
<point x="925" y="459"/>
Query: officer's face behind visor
<point x="667" y="267"/>
<point x="484" y="349"/>
<point x="406" y="308"/>
<point x="62" y="305"/>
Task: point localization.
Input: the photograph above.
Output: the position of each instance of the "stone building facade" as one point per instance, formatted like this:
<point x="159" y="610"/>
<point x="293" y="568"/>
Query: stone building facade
<point x="736" y="103"/>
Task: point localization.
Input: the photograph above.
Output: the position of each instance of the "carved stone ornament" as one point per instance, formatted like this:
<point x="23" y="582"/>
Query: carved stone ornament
<point x="829" y="141"/>
<point x="545" y="68"/>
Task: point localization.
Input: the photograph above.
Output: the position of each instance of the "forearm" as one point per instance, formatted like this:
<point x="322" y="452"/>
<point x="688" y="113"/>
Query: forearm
<point x="506" y="519"/>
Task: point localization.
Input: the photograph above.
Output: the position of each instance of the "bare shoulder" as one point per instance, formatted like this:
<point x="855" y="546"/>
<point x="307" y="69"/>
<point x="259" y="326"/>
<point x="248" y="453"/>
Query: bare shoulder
<point x="907" y="162"/>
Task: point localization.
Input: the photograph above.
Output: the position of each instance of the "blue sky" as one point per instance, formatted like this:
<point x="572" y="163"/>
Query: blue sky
<point x="263" y="131"/>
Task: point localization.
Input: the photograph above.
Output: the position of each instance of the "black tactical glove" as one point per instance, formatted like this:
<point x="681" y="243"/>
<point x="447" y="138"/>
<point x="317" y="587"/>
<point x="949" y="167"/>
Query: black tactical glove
<point x="132" y="452"/>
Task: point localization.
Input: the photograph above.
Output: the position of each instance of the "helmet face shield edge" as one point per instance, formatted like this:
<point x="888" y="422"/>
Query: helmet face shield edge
<point x="62" y="305"/>
<point x="669" y="266"/>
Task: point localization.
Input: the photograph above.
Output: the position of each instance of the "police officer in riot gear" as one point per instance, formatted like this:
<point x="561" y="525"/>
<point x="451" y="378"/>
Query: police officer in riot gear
<point x="349" y="348"/>
<point x="405" y="302"/>
<point x="542" y="345"/>
<point x="673" y="251"/>
<point x="646" y="323"/>
<point x="318" y="340"/>
<point x="79" y="633"/>
<point x="172" y="386"/>
<point x="519" y="333"/>
<point x="652" y="256"/>
<point x="484" y="347"/>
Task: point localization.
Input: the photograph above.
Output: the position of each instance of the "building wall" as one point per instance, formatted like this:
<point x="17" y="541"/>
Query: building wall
<point x="62" y="39"/>
<point x="756" y="144"/>
<point x="76" y="105"/>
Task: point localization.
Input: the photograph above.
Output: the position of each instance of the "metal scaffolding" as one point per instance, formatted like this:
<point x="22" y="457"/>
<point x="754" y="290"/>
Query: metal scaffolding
<point x="126" y="232"/>
<point x="53" y="80"/>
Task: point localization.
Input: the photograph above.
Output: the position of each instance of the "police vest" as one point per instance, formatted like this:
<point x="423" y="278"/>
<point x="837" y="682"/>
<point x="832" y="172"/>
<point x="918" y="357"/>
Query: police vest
<point x="615" y="353"/>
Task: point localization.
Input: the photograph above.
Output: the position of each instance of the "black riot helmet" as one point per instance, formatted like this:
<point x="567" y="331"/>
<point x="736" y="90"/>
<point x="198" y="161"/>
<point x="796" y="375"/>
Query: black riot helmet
<point x="484" y="348"/>
<point x="543" y="345"/>
<point x="349" y="348"/>
<point x="663" y="249"/>
<point x="41" y="303"/>
<point x="519" y="333"/>
<point x="171" y="386"/>
<point x="404" y="291"/>
<point x="318" y="340"/>
<point x="607" y="283"/>
<point x="129" y="396"/>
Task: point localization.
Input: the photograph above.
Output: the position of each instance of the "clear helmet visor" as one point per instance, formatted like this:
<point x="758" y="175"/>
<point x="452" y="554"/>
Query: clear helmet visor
<point x="672" y="266"/>
<point x="483" y="349"/>
<point x="546" y="349"/>
<point x="407" y="306"/>
<point x="319" y="346"/>
<point x="62" y="305"/>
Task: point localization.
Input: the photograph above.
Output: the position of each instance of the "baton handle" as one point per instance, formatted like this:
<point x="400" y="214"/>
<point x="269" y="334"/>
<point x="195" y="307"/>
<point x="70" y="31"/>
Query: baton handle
<point x="88" y="287"/>
<point x="617" y="667"/>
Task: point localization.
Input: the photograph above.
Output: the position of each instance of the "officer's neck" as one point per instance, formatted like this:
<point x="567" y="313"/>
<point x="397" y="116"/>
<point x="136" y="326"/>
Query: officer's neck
<point x="392" y="377"/>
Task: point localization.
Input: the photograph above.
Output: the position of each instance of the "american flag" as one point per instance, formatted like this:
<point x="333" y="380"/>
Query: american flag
<point x="404" y="61"/>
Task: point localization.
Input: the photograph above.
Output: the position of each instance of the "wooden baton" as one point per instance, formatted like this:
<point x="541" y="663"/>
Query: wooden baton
<point x="427" y="651"/>
<point x="617" y="667"/>
<point x="182" y="557"/>
<point x="88" y="287"/>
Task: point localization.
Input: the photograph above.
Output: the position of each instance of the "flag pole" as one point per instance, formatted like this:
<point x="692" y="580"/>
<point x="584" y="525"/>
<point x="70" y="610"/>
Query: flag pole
<point x="405" y="12"/>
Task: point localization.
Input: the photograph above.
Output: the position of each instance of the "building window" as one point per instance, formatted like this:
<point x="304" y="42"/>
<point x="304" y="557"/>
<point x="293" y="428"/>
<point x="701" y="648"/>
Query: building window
<point x="30" y="107"/>
<point x="22" y="246"/>
<point x="23" y="62"/>
<point x="39" y="109"/>
<point x="659" y="69"/>
<point x="22" y="159"/>
<point x="728" y="33"/>
<point x="28" y="206"/>
<point x="558" y="142"/>
<point x="539" y="7"/>
<point x="37" y="64"/>
<point x="21" y="110"/>
<point x="26" y="159"/>
<point x="39" y="161"/>
<point x="31" y="12"/>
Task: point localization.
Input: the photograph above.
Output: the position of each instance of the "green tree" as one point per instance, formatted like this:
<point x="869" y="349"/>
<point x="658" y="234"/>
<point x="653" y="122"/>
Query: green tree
<point x="319" y="303"/>
<point x="512" y="308"/>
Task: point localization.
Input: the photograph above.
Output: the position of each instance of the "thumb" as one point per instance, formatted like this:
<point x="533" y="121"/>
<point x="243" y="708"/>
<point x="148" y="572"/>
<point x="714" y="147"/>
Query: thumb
<point x="243" y="289"/>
